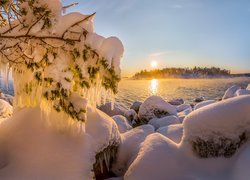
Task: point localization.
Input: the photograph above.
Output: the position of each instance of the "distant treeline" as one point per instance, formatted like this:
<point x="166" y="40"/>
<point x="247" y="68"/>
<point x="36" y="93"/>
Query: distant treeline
<point x="196" y="72"/>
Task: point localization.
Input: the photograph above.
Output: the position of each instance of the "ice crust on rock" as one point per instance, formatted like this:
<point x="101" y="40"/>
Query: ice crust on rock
<point x="6" y="110"/>
<point x="155" y="107"/>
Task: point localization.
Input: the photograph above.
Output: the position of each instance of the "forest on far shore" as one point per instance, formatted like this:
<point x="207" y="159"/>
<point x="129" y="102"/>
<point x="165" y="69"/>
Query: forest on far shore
<point x="196" y="72"/>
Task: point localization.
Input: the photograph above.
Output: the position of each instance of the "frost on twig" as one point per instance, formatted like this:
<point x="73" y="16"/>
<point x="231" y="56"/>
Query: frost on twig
<point x="56" y="60"/>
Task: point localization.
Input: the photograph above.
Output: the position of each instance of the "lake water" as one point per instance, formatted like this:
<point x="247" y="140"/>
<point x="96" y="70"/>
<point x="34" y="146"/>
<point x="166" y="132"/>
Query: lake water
<point x="188" y="89"/>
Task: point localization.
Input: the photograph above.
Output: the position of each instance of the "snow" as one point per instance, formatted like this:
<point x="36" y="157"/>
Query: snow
<point x="34" y="150"/>
<point x="122" y="123"/>
<point x="7" y="98"/>
<point x="241" y="92"/>
<point x="248" y="87"/>
<point x="203" y="104"/>
<point x="155" y="107"/>
<point x="129" y="147"/>
<point x="230" y="92"/>
<point x="173" y="132"/>
<point x="6" y="110"/>
<point x="165" y="121"/>
<point x="161" y="158"/>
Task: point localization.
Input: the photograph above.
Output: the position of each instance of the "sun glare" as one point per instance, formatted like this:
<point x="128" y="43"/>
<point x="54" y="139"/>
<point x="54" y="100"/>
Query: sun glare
<point x="154" y="64"/>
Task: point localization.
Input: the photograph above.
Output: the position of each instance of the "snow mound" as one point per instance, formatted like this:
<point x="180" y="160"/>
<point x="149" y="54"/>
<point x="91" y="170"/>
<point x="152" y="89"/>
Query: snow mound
<point x="122" y="123"/>
<point x="33" y="150"/>
<point x="173" y="132"/>
<point x="165" y="121"/>
<point x="129" y="147"/>
<point x="136" y="106"/>
<point x="230" y="92"/>
<point x="241" y="92"/>
<point x="155" y="107"/>
<point x="218" y="129"/>
<point x="203" y="104"/>
<point x="6" y="110"/>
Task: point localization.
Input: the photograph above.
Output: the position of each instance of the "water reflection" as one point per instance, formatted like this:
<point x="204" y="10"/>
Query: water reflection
<point x="153" y="87"/>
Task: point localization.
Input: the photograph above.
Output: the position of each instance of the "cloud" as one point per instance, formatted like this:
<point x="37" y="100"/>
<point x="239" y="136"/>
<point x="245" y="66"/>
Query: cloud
<point x="157" y="54"/>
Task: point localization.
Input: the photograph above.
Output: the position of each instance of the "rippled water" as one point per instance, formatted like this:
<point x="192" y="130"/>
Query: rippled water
<point x="188" y="89"/>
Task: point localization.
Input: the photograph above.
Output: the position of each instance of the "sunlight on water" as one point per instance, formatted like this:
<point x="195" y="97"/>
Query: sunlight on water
<point x="153" y="87"/>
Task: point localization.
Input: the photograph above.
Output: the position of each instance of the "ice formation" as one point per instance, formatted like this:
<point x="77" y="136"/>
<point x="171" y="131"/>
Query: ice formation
<point x="6" y="110"/>
<point x="53" y="56"/>
<point x="241" y="92"/>
<point x="155" y="107"/>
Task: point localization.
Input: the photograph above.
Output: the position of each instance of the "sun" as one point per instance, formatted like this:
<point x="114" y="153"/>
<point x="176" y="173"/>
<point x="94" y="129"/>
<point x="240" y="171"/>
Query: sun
<point x="154" y="64"/>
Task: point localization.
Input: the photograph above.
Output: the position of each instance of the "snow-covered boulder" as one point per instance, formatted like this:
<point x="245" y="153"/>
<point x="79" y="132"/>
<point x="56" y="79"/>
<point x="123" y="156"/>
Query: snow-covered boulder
<point x="160" y="158"/>
<point x="183" y="107"/>
<point x="117" y="109"/>
<point x="165" y="121"/>
<point x="181" y="118"/>
<point x="155" y="107"/>
<point x="176" y="102"/>
<point x="122" y="123"/>
<point x="129" y="147"/>
<point x="6" y="97"/>
<point x="185" y="112"/>
<point x="204" y="103"/>
<point x="241" y="92"/>
<point x="6" y="109"/>
<point x="218" y="130"/>
<point x="230" y="92"/>
<point x="136" y="106"/>
<point x="173" y="132"/>
<point x="199" y="99"/>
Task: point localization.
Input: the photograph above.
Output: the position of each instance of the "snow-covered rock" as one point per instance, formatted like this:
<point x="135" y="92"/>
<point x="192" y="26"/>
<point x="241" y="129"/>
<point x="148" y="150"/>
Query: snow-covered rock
<point x="222" y="126"/>
<point x="6" y="110"/>
<point x="173" y="132"/>
<point x="181" y="118"/>
<point x="155" y="107"/>
<point x="183" y="107"/>
<point x="241" y="92"/>
<point x="204" y="103"/>
<point x="160" y="158"/>
<point x="6" y="97"/>
<point x="117" y="109"/>
<point x="176" y="102"/>
<point x="122" y="123"/>
<point x="185" y="112"/>
<point x="165" y="121"/>
<point x="230" y="92"/>
<point x="129" y="147"/>
<point x="136" y="106"/>
<point x="199" y="99"/>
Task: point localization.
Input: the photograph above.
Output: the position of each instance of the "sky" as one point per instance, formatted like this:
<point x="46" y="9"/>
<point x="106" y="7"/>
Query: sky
<point x="175" y="33"/>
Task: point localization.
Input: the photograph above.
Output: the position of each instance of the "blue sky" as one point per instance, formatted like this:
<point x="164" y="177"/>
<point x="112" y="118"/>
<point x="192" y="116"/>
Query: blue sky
<point x="176" y="33"/>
